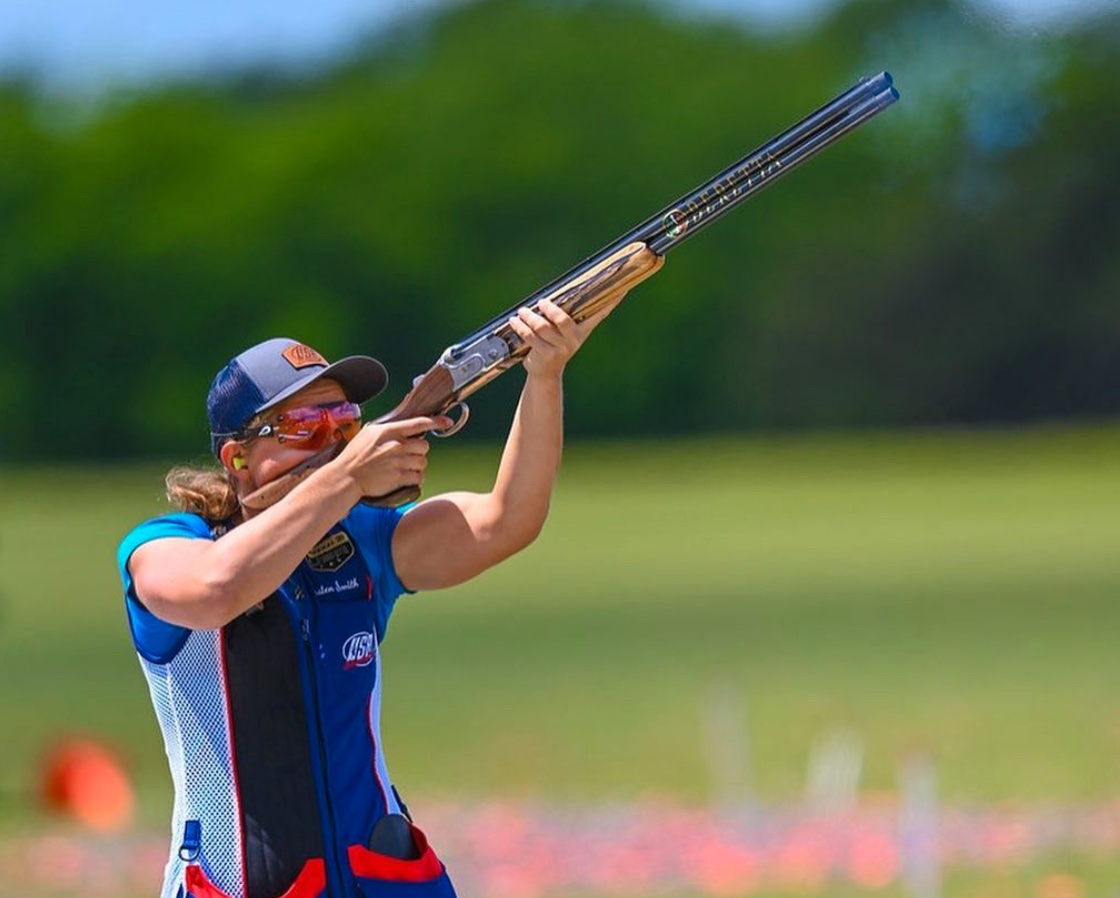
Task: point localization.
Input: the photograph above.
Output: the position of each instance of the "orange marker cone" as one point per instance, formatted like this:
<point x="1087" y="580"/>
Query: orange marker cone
<point x="87" y="781"/>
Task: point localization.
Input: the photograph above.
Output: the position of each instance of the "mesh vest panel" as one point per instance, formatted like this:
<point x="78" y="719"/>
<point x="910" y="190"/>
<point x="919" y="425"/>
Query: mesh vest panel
<point x="191" y="705"/>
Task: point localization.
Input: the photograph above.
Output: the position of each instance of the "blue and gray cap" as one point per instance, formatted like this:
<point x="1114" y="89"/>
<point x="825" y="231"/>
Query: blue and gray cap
<point x="270" y="372"/>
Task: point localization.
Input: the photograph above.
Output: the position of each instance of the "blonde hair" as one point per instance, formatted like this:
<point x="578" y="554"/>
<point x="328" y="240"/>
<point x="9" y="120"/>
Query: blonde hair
<point x="210" y="493"/>
<point x="207" y="492"/>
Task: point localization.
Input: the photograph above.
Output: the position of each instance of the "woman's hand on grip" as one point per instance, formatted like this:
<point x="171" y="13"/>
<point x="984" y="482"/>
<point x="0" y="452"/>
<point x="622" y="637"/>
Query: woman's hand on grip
<point x="381" y="458"/>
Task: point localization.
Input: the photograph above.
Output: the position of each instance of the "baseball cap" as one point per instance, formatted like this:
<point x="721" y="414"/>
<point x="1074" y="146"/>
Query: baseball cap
<point x="270" y="372"/>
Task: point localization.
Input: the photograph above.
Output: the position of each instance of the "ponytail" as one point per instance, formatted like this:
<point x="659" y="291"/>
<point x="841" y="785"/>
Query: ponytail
<point x="206" y="492"/>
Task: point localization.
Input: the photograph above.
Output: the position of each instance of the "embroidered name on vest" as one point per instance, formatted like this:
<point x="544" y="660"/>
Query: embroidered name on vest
<point x="327" y="589"/>
<point x="331" y="552"/>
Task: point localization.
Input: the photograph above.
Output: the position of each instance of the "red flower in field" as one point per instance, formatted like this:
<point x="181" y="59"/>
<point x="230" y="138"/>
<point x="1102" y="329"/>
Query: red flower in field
<point x="726" y="869"/>
<point x="873" y="860"/>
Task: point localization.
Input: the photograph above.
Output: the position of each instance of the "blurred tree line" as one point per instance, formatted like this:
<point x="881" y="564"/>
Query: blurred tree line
<point x="955" y="261"/>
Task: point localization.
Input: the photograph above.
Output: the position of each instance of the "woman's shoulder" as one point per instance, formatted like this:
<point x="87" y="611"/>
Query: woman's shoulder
<point x="179" y="524"/>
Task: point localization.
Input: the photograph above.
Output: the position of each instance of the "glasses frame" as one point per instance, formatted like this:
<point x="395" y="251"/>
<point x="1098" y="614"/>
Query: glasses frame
<point x="326" y="419"/>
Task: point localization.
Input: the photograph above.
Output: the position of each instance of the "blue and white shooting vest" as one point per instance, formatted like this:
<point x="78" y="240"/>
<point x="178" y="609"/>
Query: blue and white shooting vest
<point x="271" y="728"/>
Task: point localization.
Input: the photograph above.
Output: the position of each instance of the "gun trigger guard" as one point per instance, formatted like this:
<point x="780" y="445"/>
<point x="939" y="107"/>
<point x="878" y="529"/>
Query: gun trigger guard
<point x="460" y="422"/>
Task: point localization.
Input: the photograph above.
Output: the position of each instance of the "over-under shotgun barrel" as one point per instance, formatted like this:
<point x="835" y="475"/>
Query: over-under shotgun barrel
<point x="684" y="217"/>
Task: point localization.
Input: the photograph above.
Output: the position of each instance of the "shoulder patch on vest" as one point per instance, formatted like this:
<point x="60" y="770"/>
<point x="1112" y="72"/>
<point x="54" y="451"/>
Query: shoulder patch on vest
<point x="331" y="552"/>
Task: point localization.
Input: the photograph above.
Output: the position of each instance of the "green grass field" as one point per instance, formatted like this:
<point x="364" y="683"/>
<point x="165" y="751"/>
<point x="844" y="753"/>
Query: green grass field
<point x="953" y="594"/>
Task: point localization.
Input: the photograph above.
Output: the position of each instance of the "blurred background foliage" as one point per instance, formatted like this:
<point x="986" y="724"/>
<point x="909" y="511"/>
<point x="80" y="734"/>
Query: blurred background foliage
<point x="949" y="593"/>
<point x="953" y="262"/>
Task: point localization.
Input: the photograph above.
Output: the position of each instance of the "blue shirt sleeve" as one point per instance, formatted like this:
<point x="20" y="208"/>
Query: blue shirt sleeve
<point x="155" y="639"/>
<point x="373" y="528"/>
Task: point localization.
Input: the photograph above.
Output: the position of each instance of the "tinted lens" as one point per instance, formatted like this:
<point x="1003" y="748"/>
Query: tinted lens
<point x="317" y="422"/>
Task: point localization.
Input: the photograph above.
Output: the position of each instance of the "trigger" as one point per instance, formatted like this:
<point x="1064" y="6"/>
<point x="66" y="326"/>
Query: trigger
<point x="457" y="424"/>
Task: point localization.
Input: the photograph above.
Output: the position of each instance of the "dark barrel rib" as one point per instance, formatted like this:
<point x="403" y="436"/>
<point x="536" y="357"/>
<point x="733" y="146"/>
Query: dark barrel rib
<point x="720" y="196"/>
<point x="735" y="183"/>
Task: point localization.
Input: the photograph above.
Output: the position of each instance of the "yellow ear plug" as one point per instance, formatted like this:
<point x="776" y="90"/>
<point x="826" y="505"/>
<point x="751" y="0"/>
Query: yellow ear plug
<point x="238" y="463"/>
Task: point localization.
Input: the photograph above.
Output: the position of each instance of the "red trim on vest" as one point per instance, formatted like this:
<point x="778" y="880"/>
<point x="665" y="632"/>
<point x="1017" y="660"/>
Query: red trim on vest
<point x="199" y="886"/>
<point x="233" y="763"/>
<point x="311" y="882"/>
<point x="372" y="865"/>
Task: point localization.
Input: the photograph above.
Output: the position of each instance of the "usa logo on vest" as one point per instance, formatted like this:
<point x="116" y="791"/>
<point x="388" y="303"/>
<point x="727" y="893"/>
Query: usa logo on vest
<point x="359" y="650"/>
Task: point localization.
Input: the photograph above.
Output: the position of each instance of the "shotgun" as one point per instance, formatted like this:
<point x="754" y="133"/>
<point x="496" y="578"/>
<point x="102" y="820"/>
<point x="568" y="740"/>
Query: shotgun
<point x="581" y="291"/>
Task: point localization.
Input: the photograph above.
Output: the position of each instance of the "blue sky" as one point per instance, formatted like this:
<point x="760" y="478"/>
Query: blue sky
<point x="89" y="43"/>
